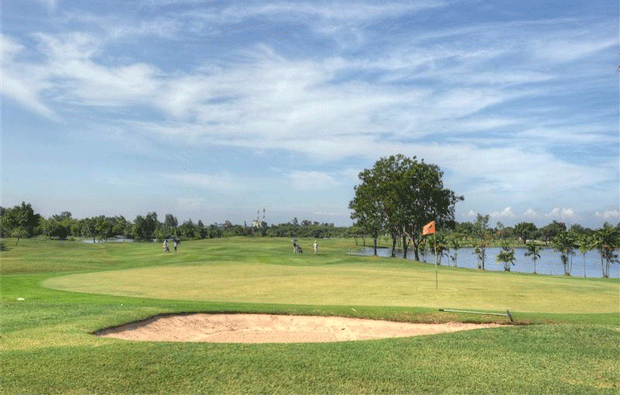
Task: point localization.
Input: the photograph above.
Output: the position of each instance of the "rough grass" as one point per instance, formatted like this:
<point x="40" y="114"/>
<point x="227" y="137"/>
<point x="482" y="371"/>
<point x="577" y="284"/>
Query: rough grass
<point x="47" y="346"/>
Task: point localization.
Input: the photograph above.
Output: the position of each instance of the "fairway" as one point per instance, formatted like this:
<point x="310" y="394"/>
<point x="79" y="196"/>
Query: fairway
<point x="356" y="282"/>
<point x="56" y="295"/>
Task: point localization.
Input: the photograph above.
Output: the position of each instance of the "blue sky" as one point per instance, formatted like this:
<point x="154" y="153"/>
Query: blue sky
<point x="214" y="110"/>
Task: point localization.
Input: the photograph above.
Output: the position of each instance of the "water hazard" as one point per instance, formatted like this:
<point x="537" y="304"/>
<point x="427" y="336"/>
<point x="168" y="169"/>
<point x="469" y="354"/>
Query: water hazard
<point x="588" y="266"/>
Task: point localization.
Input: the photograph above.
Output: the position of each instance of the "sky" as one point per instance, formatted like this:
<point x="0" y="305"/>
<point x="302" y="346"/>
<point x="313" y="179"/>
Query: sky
<point x="216" y="110"/>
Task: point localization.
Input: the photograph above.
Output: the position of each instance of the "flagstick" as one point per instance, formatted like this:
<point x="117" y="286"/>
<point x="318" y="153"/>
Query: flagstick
<point x="436" y="280"/>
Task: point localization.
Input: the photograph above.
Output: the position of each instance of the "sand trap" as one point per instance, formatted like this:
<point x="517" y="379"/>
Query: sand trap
<point x="264" y="328"/>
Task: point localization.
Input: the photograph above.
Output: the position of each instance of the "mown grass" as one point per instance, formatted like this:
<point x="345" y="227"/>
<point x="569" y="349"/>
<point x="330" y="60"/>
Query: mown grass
<point x="48" y="347"/>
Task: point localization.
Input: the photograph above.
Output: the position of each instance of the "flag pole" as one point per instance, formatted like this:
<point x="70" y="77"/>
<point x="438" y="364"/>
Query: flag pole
<point x="436" y="280"/>
<point x="429" y="229"/>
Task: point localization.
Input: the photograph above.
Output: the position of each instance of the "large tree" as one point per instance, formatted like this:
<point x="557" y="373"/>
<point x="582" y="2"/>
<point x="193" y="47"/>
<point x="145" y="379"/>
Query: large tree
<point x="367" y="213"/>
<point x="401" y="195"/>
<point x="19" y="221"/>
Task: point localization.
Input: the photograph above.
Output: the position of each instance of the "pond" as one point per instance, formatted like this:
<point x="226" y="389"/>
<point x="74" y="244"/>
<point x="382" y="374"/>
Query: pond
<point x="549" y="262"/>
<point x="110" y="240"/>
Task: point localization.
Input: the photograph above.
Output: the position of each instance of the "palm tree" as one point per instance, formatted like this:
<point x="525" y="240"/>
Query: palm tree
<point x="481" y="252"/>
<point x="454" y="243"/>
<point x="506" y="256"/>
<point x="606" y="240"/>
<point x="585" y="243"/>
<point x="438" y="243"/>
<point x="533" y="250"/>
<point x="563" y="243"/>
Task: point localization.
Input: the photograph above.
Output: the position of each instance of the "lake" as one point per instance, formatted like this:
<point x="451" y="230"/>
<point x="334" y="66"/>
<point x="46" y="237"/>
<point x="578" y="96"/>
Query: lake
<point x="549" y="262"/>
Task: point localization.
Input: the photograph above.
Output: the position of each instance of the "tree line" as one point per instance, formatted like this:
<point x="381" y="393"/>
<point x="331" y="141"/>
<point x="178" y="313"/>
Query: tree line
<point x="21" y="221"/>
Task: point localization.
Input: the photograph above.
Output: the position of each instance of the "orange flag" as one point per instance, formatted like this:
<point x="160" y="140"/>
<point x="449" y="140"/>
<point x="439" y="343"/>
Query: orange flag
<point x="428" y="228"/>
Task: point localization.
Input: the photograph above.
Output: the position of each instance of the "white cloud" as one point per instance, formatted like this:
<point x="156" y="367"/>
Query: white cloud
<point x="570" y="49"/>
<point x="312" y="180"/>
<point x="561" y="213"/>
<point x="507" y="213"/>
<point x="530" y="214"/>
<point x="20" y="81"/>
<point x="608" y="214"/>
<point x="217" y="182"/>
<point x="471" y="213"/>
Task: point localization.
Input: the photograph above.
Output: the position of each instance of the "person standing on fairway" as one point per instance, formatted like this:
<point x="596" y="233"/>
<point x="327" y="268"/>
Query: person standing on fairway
<point x="176" y="243"/>
<point x="316" y="247"/>
<point x="165" y="246"/>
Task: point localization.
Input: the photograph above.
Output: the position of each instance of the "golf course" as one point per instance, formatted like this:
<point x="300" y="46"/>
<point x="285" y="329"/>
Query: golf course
<point x="563" y="338"/>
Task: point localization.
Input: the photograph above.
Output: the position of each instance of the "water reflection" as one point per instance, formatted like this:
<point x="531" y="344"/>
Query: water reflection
<point x="549" y="262"/>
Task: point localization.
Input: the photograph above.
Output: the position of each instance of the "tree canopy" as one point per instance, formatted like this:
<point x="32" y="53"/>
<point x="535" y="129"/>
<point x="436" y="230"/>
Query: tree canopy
<point x="400" y="195"/>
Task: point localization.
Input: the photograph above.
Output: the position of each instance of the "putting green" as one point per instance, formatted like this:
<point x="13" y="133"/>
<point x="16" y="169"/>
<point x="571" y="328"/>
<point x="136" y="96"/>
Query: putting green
<point x="351" y="284"/>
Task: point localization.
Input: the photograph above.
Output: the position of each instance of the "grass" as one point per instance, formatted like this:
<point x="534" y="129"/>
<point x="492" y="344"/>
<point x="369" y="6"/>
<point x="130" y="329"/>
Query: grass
<point x="572" y="345"/>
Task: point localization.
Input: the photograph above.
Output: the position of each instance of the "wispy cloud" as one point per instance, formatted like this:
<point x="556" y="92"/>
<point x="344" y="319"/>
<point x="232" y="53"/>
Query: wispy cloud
<point x="49" y="4"/>
<point x="312" y="180"/>
<point x="608" y="215"/>
<point x="217" y="182"/>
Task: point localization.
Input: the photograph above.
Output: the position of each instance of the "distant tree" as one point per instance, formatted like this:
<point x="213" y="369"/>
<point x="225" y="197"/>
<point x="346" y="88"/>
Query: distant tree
<point x="533" y="250"/>
<point x="607" y="240"/>
<point x="120" y="226"/>
<point x="104" y="227"/>
<point x="171" y="221"/>
<point x="187" y="230"/>
<point x="466" y="229"/>
<point x="62" y="225"/>
<point x="63" y="216"/>
<point x="550" y="231"/>
<point x="19" y="221"/>
<point x="526" y="231"/>
<point x="144" y="227"/>
<point x="89" y="228"/>
<point x="500" y="230"/>
<point x="163" y="232"/>
<point x="202" y="232"/>
<point x="564" y="243"/>
<point x="438" y="243"/>
<point x="585" y="243"/>
<point x="481" y="233"/>
<point x="455" y="245"/>
<point x="506" y="256"/>
<point x="55" y="229"/>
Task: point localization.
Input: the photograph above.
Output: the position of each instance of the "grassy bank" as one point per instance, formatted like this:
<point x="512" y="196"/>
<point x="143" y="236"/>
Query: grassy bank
<point x="571" y="346"/>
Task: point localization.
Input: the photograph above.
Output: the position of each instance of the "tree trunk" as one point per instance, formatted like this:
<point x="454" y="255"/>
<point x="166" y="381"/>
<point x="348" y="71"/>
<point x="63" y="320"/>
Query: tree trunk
<point x="404" y="247"/>
<point x="393" y="247"/>
<point x="375" y="253"/>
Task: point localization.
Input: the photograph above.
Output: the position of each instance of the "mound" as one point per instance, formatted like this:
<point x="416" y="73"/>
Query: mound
<point x="263" y="328"/>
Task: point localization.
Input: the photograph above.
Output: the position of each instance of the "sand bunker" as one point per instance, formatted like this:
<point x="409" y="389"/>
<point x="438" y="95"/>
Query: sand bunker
<point x="264" y="328"/>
